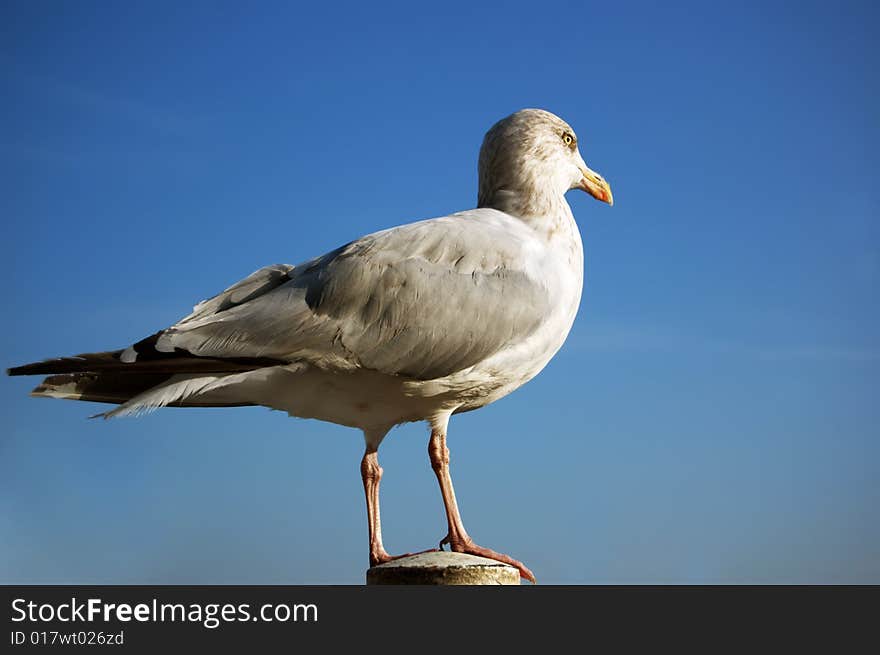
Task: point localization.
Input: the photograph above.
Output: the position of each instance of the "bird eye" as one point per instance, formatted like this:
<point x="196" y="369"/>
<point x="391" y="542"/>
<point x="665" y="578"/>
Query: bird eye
<point x="567" y="139"/>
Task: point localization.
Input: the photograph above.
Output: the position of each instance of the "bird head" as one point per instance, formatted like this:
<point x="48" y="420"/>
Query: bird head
<point x="529" y="158"/>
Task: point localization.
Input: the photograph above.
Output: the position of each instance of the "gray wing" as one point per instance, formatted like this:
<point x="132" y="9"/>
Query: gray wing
<point x="254" y="285"/>
<point x="423" y="300"/>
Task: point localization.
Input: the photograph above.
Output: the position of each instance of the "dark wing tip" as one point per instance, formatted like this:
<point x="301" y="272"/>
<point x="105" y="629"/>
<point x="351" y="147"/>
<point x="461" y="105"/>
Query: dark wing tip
<point x="19" y="370"/>
<point x="75" y="364"/>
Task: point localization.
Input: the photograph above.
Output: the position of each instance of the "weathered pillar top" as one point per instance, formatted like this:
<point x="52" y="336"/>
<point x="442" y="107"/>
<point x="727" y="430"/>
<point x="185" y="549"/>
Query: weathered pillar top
<point x="443" y="568"/>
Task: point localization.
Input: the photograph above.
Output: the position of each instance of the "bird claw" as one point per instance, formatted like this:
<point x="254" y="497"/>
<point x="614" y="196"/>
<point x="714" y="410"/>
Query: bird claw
<point x="382" y="557"/>
<point x="469" y="547"/>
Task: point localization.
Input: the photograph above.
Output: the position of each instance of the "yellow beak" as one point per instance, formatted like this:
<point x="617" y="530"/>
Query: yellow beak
<point x="596" y="186"/>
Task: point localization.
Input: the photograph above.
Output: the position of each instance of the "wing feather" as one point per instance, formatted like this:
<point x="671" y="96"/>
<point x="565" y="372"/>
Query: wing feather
<point x="423" y="300"/>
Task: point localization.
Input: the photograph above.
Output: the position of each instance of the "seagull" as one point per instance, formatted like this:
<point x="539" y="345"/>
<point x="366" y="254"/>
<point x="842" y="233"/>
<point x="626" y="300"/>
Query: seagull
<point x="413" y="323"/>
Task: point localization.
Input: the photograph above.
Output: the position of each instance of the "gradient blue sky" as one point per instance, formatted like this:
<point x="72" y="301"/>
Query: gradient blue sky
<point x="710" y="418"/>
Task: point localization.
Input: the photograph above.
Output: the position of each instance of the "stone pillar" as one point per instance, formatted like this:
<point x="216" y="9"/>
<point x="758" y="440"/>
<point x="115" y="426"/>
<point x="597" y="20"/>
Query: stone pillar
<point x="443" y="568"/>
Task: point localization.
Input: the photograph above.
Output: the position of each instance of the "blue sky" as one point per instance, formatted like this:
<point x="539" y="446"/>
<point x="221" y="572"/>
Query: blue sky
<point x="713" y="416"/>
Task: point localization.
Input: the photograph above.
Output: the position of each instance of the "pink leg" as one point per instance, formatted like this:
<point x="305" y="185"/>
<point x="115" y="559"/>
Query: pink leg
<point x="457" y="537"/>
<point x="371" y="473"/>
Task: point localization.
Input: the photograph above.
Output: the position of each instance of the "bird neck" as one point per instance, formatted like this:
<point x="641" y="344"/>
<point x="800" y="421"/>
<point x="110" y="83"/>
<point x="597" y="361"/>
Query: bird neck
<point x="541" y="210"/>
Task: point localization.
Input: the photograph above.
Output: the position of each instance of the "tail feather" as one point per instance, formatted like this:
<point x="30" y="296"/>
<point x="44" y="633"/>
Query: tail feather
<point x="180" y="390"/>
<point x="98" y="387"/>
<point x="117" y="389"/>
<point x="175" y="380"/>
